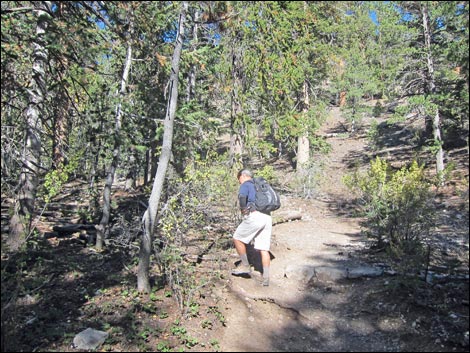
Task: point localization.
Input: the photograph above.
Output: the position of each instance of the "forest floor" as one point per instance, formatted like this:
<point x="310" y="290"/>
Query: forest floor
<point x="314" y="301"/>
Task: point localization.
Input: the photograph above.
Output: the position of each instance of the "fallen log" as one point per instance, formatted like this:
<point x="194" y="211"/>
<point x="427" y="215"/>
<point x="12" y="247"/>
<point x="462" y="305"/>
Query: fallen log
<point x="74" y="228"/>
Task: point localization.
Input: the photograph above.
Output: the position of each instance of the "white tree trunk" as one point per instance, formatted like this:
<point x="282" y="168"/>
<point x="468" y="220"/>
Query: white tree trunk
<point x="303" y="144"/>
<point x="303" y="152"/>
<point x="20" y="222"/>
<point x="438" y="139"/>
<point x="150" y="215"/>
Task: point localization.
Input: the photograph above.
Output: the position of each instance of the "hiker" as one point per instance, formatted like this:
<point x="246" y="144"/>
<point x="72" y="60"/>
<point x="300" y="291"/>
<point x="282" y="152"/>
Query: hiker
<point x="255" y="226"/>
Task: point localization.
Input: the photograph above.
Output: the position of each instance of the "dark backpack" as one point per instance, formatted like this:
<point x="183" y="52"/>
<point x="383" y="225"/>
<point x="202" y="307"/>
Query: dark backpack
<point x="267" y="199"/>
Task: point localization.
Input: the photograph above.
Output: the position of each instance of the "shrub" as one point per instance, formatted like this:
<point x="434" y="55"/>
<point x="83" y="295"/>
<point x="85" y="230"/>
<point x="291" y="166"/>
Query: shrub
<point x="377" y="110"/>
<point x="398" y="209"/>
<point x="267" y="172"/>
<point x="195" y="200"/>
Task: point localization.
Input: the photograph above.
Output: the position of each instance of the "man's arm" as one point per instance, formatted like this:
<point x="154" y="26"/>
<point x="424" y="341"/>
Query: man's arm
<point x="243" y="201"/>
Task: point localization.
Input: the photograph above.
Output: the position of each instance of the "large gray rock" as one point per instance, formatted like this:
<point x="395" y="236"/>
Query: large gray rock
<point x="89" y="339"/>
<point x="308" y="272"/>
<point x="301" y="273"/>
<point x="330" y="274"/>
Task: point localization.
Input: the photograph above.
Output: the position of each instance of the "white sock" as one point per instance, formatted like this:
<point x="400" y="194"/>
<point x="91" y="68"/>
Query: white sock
<point x="244" y="259"/>
<point x="265" y="272"/>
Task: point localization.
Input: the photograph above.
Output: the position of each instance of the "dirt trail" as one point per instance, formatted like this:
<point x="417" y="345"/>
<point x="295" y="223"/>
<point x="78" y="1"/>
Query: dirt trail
<point x="291" y="314"/>
<point x="287" y="315"/>
<point x="317" y="302"/>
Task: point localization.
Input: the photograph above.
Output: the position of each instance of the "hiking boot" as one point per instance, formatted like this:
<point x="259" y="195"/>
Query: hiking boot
<point x="241" y="270"/>
<point x="265" y="282"/>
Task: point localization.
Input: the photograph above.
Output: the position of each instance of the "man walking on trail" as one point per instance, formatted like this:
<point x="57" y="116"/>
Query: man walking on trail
<point x="255" y="226"/>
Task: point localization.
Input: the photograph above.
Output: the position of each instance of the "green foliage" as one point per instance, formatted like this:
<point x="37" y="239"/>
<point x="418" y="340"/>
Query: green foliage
<point x="215" y="310"/>
<point x="443" y="176"/>
<point x="356" y="75"/>
<point x="193" y="309"/>
<point x="206" y="324"/>
<point x="281" y="58"/>
<point x="55" y="179"/>
<point x="354" y="112"/>
<point x="267" y="172"/>
<point x="434" y="146"/>
<point x="181" y="333"/>
<point x="198" y="128"/>
<point x="215" y="343"/>
<point x="163" y="346"/>
<point x="319" y="144"/>
<point x="53" y="182"/>
<point x="373" y="135"/>
<point x="377" y="110"/>
<point x="398" y="208"/>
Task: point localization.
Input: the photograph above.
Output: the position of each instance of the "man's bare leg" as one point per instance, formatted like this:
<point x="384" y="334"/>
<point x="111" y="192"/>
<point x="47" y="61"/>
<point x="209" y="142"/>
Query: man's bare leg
<point x="266" y="261"/>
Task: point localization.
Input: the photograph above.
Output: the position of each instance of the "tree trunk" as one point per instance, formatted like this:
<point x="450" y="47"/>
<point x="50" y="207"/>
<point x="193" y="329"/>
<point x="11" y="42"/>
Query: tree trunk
<point x="303" y="147"/>
<point x="191" y="87"/>
<point x="20" y="222"/>
<point x="114" y="164"/>
<point x="150" y="215"/>
<point x="59" y="143"/>
<point x="438" y="140"/>
<point x="432" y="88"/>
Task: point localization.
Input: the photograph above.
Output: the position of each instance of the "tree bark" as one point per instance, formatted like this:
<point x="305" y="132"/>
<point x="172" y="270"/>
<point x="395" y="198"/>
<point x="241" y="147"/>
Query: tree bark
<point x="150" y="215"/>
<point x="20" y="223"/>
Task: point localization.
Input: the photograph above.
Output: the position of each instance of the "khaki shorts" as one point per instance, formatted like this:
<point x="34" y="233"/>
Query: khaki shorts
<point x="257" y="226"/>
